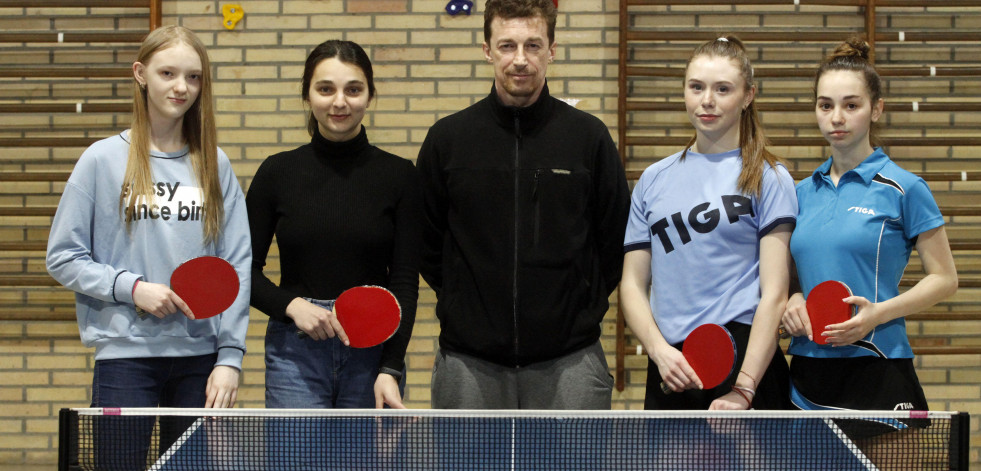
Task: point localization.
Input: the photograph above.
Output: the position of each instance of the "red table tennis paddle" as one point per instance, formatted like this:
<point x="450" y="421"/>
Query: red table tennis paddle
<point x="369" y="315"/>
<point x="711" y="352"/>
<point x="825" y="307"/>
<point x="208" y="285"/>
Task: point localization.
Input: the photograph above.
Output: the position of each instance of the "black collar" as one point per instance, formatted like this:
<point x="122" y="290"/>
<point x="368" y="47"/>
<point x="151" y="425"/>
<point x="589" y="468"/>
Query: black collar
<point x="341" y="150"/>
<point x="528" y="117"/>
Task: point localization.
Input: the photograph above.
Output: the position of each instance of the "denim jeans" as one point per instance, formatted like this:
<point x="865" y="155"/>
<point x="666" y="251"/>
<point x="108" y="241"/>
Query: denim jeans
<point x="144" y="382"/>
<point x="303" y="373"/>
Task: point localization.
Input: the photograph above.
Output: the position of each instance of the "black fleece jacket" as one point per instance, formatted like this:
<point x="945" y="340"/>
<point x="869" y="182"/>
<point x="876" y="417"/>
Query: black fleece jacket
<point x="525" y="214"/>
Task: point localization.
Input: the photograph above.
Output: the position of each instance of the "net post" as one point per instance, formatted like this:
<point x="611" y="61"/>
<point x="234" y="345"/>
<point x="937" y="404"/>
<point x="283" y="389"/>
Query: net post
<point x="960" y="440"/>
<point x="67" y="440"/>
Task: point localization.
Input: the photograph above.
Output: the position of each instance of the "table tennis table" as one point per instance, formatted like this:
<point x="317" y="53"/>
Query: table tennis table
<point x="265" y="439"/>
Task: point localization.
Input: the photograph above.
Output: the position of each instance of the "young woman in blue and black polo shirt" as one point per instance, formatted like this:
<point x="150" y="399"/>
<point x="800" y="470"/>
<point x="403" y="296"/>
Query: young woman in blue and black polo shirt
<point x="860" y="217"/>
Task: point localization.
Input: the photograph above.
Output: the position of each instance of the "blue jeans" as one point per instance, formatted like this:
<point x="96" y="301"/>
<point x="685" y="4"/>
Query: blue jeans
<point x="123" y="442"/>
<point x="302" y="373"/>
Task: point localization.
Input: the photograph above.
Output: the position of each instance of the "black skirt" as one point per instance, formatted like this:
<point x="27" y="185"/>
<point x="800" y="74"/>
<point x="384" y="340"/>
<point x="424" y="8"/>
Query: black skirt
<point x="772" y="392"/>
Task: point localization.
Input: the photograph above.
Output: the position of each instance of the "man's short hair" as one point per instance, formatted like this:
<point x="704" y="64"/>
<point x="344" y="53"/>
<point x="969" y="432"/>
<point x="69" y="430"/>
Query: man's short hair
<point x="508" y="9"/>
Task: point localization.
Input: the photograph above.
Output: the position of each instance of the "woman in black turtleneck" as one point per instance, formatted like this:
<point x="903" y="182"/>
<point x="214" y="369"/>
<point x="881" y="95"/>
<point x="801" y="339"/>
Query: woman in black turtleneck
<point x="344" y="214"/>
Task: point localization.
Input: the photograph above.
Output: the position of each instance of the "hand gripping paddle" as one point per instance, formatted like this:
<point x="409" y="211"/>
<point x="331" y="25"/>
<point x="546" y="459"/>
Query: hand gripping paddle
<point x="711" y="352"/>
<point x="825" y="307"/>
<point x="369" y="315"/>
<point x="208" y="285"/>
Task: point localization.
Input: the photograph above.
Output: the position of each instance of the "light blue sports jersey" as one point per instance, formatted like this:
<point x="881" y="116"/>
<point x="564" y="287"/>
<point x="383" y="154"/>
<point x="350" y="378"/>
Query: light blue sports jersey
<point x="704" y="237"/>
<point x="861" y="233"/>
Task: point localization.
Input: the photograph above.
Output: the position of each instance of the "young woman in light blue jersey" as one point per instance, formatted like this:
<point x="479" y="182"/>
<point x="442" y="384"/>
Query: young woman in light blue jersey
<point x="860" y="217"/>
<point x="136" y="206"/>
<point x="707" y="242"/>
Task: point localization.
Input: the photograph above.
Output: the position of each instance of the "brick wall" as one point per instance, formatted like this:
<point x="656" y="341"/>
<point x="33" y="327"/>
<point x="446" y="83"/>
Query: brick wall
<point x="427" y="65"/>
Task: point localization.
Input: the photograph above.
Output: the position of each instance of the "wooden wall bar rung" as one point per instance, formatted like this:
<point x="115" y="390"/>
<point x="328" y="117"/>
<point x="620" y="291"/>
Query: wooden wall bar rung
<point x="27" y="212"/>
<point x="773" y="36"/>
<point x="945" y="316"/>
<point x="928" y="176"/>
<point x="24" y="246"/>
<point x="926" y="71"/>
<point x="74" y="4"/>
<point x="66" y="72"/>
<point x="802" y="36"/>
<point x="901" y="106"/>
<point x="73" y="37"/>
<point x="960" y="210"/>
<point x="46" y="142"/>
<point x="66" y="107"/>
<point x="797" y="175"/>
<point x="13" y="158"/>
<point x="808" y="72"/>
<point x="27" y="280"/>
<point x="962" y="282"/>
<point x="947" y="350"/>
<point x="917" y="350"/>
<point x="21" y="314"/>
<point x="926" y="3"/>
<point x="846" y="3"/>
<point x="8" y="176"/>
<point x="810" y="141"/>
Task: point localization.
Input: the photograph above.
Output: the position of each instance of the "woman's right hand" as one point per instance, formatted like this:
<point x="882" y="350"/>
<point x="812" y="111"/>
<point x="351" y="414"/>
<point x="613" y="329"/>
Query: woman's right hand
<point x="315" y="321"/>
<point x="675" y="371"/>
<point x="795" y="321"/>
<point x="159" y="300"/>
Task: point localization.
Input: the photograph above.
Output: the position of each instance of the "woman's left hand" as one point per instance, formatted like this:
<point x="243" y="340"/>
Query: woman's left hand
<point x="857" y="327"/>
<point x="731" y="401"/>
<point x="387" y="392"/>
<point x="222" y="389"/>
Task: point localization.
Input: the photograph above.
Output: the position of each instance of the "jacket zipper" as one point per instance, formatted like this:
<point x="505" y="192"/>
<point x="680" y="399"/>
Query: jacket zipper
<point x="514" y="287"/>
<point x="538" y="209"/>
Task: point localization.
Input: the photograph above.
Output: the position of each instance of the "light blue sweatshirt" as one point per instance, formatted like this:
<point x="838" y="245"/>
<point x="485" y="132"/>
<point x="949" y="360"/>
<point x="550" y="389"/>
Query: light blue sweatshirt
<point x="91" y="252"/>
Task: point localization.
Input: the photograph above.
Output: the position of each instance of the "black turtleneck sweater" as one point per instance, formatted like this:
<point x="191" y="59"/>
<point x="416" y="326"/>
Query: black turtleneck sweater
<point x="344" y="214"/>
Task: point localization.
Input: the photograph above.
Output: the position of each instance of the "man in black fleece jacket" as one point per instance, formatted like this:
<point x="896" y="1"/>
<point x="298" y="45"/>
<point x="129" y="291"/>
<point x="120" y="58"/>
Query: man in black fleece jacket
<point x="526" y="205"/>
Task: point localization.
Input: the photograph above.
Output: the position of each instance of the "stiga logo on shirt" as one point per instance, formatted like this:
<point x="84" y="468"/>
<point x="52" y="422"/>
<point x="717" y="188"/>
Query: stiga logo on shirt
<point x="858" y="209"/>
<point x="701" y="219"/>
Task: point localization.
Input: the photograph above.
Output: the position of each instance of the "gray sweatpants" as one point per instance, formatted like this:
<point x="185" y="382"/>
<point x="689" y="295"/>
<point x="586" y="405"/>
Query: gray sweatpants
<point x="579" y="380"/>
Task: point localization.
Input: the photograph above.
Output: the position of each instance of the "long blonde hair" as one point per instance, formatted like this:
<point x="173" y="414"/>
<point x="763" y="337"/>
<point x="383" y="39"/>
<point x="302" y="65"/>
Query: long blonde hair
<point x="198" y="129"/>
<point x="752" y="139"/>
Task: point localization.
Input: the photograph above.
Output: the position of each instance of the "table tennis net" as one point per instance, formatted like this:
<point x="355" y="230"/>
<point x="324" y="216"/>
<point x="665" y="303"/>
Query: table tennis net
<point x="268" y="439"/>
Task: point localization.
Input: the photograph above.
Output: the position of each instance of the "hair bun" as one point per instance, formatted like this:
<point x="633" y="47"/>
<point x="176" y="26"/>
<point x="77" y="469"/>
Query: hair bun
<point x="853" y="47"/>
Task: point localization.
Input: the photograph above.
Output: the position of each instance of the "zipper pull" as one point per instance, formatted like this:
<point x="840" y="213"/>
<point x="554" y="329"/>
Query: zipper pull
<point x="534" y="187"/>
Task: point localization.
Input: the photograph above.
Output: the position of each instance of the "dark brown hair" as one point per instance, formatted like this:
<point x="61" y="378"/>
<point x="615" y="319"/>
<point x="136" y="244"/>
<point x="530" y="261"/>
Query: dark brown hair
<point x="507" y="9"/>
<point x="348" y="52"/>
<point x="853" y="55"/>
